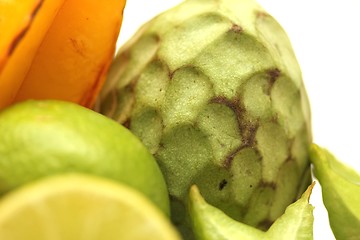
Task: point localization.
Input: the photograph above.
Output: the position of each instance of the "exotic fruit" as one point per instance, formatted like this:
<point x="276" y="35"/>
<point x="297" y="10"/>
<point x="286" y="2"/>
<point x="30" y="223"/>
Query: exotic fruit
<point x="213" y="89"/>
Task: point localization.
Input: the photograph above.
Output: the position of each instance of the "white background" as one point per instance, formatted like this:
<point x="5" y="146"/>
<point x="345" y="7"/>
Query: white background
<point x="326" y="40"/>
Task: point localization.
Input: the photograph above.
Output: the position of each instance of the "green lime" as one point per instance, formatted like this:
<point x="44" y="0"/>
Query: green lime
<point x="81" y="207"/>
<point x="43" y="138"/>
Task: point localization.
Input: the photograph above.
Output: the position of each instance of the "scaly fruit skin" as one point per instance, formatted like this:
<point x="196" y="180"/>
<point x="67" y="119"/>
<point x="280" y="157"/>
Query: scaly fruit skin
<point x="213" y="89"/>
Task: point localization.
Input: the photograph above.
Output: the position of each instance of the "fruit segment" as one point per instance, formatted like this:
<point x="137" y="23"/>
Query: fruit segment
<point x="23" y="26"/>
<point x="73" y="59"/>
<point x="297" y="221"/>
<point x="210" y="223"/>
<point x="340" y="186"/>
<point x="58" y="49"/>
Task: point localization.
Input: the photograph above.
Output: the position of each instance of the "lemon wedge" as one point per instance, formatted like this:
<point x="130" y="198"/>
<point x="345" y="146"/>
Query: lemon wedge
<point x="81" y="207"/>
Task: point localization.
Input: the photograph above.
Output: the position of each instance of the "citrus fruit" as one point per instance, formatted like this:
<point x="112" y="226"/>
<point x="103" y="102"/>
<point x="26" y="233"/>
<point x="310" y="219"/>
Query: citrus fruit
<point x="42" y="138"/>
<point x="81" y="207"/>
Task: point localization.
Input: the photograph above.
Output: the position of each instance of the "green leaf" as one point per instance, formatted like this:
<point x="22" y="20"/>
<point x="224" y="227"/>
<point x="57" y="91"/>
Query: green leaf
<point x="341" y="193"/>
<point x="210" y="223"/>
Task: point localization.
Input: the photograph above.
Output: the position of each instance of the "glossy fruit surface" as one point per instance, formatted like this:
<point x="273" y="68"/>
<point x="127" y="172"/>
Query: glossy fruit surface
<point x="56" y="49"/>
<point x="43" y="138"/>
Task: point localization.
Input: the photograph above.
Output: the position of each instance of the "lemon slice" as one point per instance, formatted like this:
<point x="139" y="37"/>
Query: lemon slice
<point x="81" y="207"/>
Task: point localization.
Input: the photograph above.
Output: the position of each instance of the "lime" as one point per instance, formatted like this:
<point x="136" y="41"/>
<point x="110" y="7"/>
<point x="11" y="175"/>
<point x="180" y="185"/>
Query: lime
<point x="42" y="138"/>
<point x="81" y="207"/>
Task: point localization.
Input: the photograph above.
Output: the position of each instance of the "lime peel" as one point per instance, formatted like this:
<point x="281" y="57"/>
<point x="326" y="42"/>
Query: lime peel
<point x="47" y="137"/>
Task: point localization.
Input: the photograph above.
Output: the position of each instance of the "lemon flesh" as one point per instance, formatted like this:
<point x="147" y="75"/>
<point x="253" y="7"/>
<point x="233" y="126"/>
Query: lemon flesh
<point x="81" y="207"/>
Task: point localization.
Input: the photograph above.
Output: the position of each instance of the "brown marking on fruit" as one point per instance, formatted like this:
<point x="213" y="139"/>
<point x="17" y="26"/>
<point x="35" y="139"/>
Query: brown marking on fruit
<point x="222" y="184"/>
<point x="23" y="32"/>
<point x="273" y="74"/>
<point x="17" y="39"/>
<point x="233" y="105"/>
<point x="161" y="145"/>
<point x="247" y="129"/>
<point x="236" y="28"/>
<point x="223" y="100"/>
<point x="230" y="157"/>
<point x="265" y="224"/>
<point x="112" y="98"/>
<point x="261" y="14"/>
<point x="271" y="185"/>
<point x="249" y="134"/>
<point x="289" y="159"/>
<point x="127" y="123"/>
<point x="125" y="57"/>
<point x="275" y="118"/>
<point x="289" y="147"/>
<point x="256" y="150"/>
<point x="302" y="185"/>
<point x="37" y="8"/>
<point x="78" y="46"/>
<point x="171" y="74"/>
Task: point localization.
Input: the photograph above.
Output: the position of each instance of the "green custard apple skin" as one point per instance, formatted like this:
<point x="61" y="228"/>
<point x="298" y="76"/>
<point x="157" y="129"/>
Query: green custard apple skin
<point x="214" y="90"/>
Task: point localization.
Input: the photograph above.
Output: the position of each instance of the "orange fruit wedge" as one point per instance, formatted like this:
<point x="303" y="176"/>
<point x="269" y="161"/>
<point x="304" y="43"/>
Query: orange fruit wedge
<point x="56" y="49"/>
